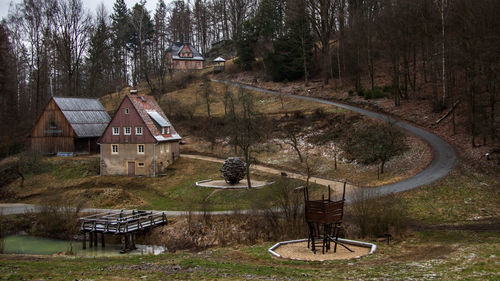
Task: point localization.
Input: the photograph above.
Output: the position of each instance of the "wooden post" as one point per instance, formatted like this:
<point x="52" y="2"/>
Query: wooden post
<point x="91" y="239"/>
<point x="124" y="246"/>
<point x="95" y="239"/>
<point x="102" y="240"/>
<point x="133" y="247"/>
<point x="84" y="240"/>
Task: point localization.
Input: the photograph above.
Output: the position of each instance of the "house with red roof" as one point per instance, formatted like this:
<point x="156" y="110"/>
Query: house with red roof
<point x="139" y="140"/>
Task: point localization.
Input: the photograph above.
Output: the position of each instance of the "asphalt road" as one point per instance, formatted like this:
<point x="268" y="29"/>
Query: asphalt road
<point x="444" y="156"/>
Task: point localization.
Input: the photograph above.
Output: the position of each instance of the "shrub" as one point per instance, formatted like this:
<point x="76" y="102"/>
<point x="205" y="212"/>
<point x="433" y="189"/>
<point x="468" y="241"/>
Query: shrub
<point x="56" y="219"/>
<point x="368" y="94"/>
<point x="298" y="114"/>
<point x="319" y="113"/>
<point x="377" y="93"/>
<point x="360" y="91"/>
<point x="351" y="93"/>
<point x="372" y="216"/>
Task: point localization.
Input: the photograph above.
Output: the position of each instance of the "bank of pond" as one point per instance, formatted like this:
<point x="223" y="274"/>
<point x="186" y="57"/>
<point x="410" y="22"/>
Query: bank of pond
<point x="32" y="245"/>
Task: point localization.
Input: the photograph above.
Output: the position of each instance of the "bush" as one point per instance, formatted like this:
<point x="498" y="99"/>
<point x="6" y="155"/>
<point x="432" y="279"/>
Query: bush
<point x="372" y="216"/>
<point x="368" y="94"/>
<point x="283" y="210"/>
<point x="351" y="93"/>
<point x="319" y="114"/>
<point x="360" y="92"/>
<point x="298" y="114"/>
<point x="56" y="219"/>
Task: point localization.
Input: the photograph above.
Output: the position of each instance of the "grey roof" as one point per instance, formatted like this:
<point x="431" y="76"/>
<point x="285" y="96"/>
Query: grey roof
<point x="87" y="117"/>
<point x="78" y="104"/>
<point x="158" y="118"/>
<point x="176" y="48"/>
<point x="219" y="59"/>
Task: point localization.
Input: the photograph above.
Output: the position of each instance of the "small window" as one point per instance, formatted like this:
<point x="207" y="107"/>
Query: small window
<point x="116" y="131"/>
<point x="127" y="131"/>
<point x="114" y="149"/>
<point x="138" y="130"/>
<point x="52" y="125"/>
<point x="140" y="164"/>
<point x="126" y="110"/>
<point x="165" y="130"/>
<point x="197" y="64"/>
<point x="140" y="149"/>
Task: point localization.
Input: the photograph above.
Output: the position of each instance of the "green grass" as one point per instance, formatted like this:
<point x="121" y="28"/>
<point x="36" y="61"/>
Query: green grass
<point x="78" y="179"/>
<point x="463" y="196"/>
<point x="426" y="255"/>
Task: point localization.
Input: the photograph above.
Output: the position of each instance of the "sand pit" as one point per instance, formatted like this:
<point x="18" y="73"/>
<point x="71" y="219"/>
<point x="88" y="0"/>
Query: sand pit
<point x="297" y="250"/>
<point x="222" y="184"/>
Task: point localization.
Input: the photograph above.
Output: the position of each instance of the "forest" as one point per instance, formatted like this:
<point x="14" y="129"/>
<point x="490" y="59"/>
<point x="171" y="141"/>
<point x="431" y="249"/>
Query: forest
<point x="445" y="50"/>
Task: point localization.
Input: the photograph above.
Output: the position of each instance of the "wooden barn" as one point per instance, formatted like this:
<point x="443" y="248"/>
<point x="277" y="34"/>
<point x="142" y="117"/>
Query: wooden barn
<point x="139" y="140"/>
<point x="69" y="125"/>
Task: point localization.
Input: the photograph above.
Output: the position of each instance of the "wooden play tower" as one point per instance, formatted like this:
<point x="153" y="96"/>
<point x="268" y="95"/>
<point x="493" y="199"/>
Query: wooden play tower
<point x="324" y="219"/>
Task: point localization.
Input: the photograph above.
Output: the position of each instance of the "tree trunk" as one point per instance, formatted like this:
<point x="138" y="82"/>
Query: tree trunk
<point x="247" y="160"/>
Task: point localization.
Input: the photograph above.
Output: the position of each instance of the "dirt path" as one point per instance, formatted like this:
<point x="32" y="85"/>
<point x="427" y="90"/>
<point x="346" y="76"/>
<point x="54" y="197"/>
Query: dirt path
<point x="444" y="156"/>
<point x="336" y="186"/>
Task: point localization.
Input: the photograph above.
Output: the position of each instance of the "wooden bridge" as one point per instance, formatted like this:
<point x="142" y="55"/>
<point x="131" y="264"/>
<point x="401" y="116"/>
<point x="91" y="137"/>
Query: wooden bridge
<point x="125" y="222"/>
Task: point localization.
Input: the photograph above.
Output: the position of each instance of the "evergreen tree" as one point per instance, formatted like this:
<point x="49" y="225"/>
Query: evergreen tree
<point x="292" y="52"/>
<point x="99" y="58"/>
<point x="245" y="46"/>
<point x="120" y="27"/>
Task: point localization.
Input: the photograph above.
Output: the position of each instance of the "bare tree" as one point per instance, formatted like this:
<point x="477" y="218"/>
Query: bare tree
<point x="245" y="127"/>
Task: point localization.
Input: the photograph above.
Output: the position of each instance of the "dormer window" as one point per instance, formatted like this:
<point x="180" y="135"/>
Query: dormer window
<point x="165" y="130"/>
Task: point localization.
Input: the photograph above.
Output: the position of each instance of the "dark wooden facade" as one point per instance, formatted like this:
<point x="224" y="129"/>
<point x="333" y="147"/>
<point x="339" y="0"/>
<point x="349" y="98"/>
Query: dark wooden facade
<point x="54" y="133"/>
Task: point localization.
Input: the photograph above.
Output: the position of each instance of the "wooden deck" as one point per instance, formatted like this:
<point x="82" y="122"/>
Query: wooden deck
<point x="125" y="222"/>
<point x="121" y="222"/>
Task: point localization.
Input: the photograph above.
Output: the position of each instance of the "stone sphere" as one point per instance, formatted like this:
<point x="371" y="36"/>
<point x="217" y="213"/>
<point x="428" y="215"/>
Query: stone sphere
<point x="233" y="170"/>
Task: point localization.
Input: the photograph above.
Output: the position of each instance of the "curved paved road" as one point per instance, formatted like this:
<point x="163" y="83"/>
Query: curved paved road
<point x="443" y="161"/>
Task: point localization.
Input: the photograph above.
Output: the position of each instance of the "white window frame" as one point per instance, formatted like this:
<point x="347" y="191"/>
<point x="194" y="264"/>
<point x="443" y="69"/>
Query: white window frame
<point x="125" y="131"/>
<point x="139" y="146"/>
<point x="116" y="131"/>
<point x="126" y="110"/>
<point x="138" y="131"/>
<point x="117" y="149"/>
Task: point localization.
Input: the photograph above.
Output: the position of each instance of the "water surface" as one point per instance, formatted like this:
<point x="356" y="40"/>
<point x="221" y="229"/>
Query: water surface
<point x="31" y="245"/>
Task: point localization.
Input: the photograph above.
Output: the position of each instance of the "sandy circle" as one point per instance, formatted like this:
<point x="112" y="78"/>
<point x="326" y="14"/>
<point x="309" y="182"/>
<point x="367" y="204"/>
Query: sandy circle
<point x="299" y="251"/>
<point x="224" y="185"/>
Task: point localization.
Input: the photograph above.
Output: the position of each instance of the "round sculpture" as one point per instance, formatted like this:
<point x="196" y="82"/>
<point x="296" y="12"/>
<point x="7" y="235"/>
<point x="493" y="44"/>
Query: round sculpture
<point x="233" y="170"/>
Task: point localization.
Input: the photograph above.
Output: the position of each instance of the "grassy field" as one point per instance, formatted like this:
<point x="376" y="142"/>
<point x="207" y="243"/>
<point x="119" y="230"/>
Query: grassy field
<point x="454" y="235"/>
<point x="77" y="178"/>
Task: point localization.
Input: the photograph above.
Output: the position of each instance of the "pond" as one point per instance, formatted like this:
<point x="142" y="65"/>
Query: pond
<point x="30" y="245"/>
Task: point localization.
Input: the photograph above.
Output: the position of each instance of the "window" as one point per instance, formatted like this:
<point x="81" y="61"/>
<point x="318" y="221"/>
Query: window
<point x="114" y="149"/>
<point x="52" y="125"/>
<point x="197" y="64"/>
<point x="127" y="131"/>
<point x="165" y="130"/>
<point x="116" y="131"/>
<point x="126" y="110"/>
<point x="140" y="149"/>
<point x="140" y="164"/>
<point x="138" y="130"/>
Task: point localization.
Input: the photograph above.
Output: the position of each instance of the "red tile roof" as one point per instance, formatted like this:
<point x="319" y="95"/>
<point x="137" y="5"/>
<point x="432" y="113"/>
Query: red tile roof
<point x="143" y="104"/>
